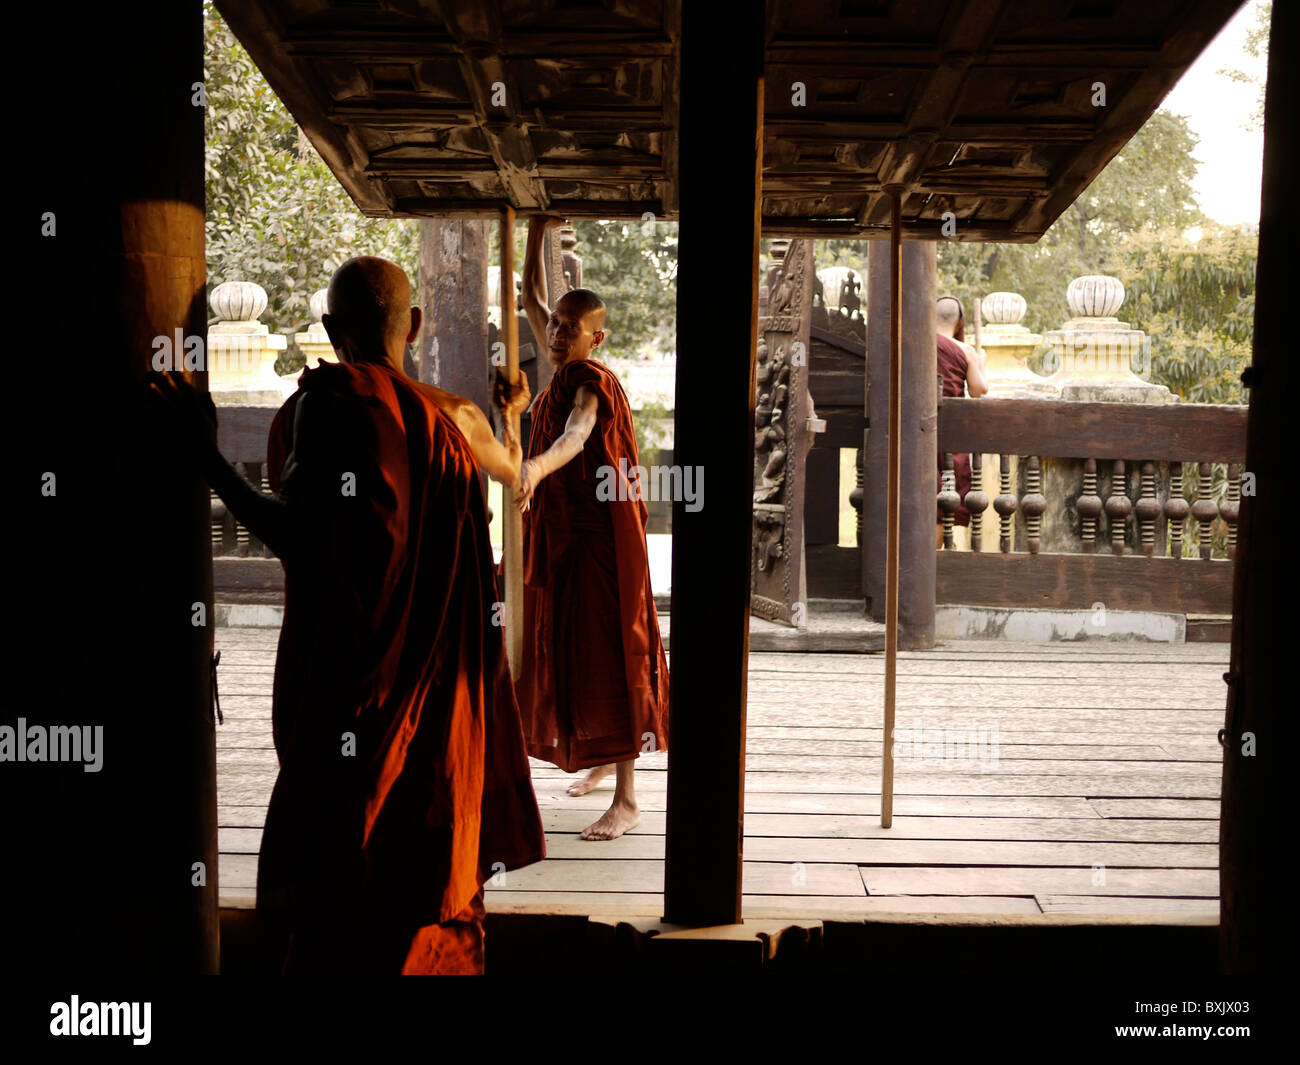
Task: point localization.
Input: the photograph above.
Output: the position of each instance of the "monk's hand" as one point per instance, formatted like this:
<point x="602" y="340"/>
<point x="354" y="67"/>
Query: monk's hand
<point x="529" y="476"/>
<point x="547" y="221"/>
<point x="190" y="412"/>
<point x="511" y="398"/>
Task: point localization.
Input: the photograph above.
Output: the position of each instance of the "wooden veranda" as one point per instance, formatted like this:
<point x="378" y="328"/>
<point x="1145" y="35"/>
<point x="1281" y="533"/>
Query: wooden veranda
<point x="1068" y="778"/>
<point x="911" y="115"/>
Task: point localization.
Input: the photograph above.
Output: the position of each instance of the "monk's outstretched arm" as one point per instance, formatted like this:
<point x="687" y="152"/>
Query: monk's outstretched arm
<point x="568" y="445"/>
<point x="535" y="292"/>
<point x="269" y="518"/>
<point x="501" y="460"/>
<point x="281" y="522"/>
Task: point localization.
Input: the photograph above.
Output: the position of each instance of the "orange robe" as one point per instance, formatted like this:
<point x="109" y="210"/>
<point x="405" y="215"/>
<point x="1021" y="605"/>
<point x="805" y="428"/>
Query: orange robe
<point x="593" y="687"/>
<point x="403" y="781"/>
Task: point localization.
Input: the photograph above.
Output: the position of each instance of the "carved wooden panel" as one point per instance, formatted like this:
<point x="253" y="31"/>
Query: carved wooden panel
<point x="782" y="437"/>
<point x="987" y="113"/>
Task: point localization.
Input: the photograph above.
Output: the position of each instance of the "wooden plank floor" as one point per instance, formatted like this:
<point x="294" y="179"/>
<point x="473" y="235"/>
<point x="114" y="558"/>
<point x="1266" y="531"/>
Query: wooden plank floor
<point x="1065" y="778"/>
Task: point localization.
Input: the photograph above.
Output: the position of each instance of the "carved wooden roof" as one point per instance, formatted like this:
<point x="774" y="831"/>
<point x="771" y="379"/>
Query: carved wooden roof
<point x="984" y="108"/>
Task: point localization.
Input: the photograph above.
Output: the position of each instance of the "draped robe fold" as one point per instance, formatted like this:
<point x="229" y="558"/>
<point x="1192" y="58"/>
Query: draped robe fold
<point x="952" y="369"/>
<point x="403" y="782"/>
<point x="593" y="687"/>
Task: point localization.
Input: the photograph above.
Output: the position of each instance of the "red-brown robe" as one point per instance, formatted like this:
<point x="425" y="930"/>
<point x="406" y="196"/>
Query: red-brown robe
<point x="593" y="687"/>
<point x="952" y="368"/>
<point x="388" y="648"/>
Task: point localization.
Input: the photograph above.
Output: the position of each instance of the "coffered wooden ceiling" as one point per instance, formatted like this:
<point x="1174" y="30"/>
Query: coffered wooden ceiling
<point x="984" y="109"/>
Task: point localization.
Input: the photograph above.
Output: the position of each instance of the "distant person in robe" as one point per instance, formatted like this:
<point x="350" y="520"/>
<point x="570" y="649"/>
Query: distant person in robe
<point x="403" y="783"/>
<point x="962" y="369"/>
<point x="593" y="686"/>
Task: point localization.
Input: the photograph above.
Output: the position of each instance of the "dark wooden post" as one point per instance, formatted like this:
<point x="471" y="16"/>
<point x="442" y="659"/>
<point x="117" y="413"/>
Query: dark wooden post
<point x="918" y="559"/>
<point x="454" y="298"/>
<point x="1254" y="906"/>
<point x="919" y="454"/>
<point x="118" y="867"/>
<point x="717" y="327"/>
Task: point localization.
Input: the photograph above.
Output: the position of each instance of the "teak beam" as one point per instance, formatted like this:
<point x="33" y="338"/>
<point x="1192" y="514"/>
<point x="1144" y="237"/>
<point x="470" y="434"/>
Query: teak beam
<point x="717" y="329"/>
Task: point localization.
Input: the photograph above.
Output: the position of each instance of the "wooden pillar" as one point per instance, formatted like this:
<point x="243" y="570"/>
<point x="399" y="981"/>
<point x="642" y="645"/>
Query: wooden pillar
<point x="454" y="297"/>
<point x="1253" y="911"/>
<point x="918" y="447"/>
<point x="717" y="325"/>
<point x="117" y="868"/>
<point x="919" y="443"/>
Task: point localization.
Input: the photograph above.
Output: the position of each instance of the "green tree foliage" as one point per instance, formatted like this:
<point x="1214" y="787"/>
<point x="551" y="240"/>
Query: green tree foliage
<point x="633" y="267"/>
<point x="1197" y="300"/>
<point x="275" y="214"/>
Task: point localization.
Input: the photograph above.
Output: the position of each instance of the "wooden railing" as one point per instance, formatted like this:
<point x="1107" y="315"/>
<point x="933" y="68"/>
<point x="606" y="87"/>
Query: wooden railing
<point x="1131" y="544"/>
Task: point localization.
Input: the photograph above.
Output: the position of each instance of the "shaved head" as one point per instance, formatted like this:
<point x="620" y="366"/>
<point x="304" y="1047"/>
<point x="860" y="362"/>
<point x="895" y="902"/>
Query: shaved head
<point x="949" y="319"/>
<point x="583" y="302"/>
<point x="947" y="311"/>
<point x="576" y="327"/>
<point x="369" y="307"/>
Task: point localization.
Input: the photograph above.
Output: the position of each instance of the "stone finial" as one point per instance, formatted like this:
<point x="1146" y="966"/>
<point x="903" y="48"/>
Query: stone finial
<point x="238" y="301"/>
<point x="1094" y="296"/>
<point x="1004" y="308"/>
<point x="1007" y="345"/>
<point x="319" y="303"/>
<point x="242" y="350"/>
<point x="1097" y="353"/>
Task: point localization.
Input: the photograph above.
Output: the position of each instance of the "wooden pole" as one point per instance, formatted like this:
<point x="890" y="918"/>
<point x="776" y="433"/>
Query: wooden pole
<point x="891" y="519"/>
<point x="512" y="523"/>
<point x="717" y="326"/>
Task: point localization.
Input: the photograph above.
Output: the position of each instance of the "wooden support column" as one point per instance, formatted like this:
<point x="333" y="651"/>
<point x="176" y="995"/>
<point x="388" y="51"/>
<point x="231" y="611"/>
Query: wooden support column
<point x="1255" y="900"/>
<point x="918" y="445"/>
<point x="720" y="153"/>
<point x="454" y="298"/>
<point x="512" y="523"/>
<point x="918" y="439"/>
<point x="117" y="867"/>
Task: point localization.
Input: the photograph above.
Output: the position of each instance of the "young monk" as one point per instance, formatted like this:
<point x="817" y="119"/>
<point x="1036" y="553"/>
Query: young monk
<point x="593" y="689"/>
<point x="403" y="781"/>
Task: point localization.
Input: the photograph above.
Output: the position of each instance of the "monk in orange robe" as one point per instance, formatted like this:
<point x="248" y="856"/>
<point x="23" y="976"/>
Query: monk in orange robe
<point x="593" y="685"/>
<point x="404" y="783"/>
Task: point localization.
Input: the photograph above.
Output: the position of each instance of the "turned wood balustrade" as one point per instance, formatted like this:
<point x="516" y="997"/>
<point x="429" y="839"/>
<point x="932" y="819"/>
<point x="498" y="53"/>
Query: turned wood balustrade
<point x="1117" y="506"/>
<point x="1146" y="570"/>
<point x="1150" y="573"/>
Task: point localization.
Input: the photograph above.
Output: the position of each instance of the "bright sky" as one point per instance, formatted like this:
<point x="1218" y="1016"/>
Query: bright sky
<point x="1231" y="158"/>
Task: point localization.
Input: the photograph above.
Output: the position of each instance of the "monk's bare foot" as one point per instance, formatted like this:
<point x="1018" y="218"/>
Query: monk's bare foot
<point x="594" y="776"/>
<point x="618" y="819"/>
